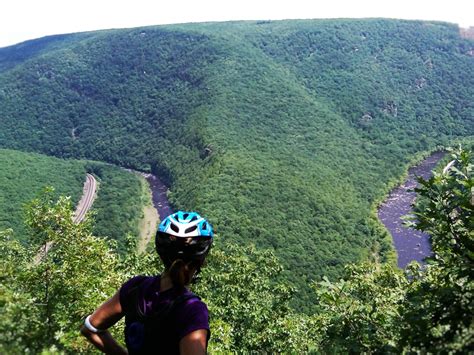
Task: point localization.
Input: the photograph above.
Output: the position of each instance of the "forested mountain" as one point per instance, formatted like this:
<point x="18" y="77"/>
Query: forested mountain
<point x="285" y="134"/>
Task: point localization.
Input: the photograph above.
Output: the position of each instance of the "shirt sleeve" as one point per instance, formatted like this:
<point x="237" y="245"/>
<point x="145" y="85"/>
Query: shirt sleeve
<point x="193" y="316"/>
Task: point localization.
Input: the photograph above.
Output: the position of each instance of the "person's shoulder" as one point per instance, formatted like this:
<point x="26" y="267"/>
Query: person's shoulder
<point x="192" y="315"/>
<point x="194" y="303"/>
<point x="137" y="280"/>
<point x="133" y="284"/>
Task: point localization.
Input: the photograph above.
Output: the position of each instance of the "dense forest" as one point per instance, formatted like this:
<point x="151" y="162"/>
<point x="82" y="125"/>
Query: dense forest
<point x="373" y="308"/>
<point x="285" y="134"/>
<point x="23" y="176"/>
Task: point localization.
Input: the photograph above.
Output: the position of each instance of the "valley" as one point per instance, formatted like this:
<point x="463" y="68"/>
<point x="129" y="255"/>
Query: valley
<point x="285" y="134"/>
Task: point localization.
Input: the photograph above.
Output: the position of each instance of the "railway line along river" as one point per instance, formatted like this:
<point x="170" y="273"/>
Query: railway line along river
<point x="410" y="244"/>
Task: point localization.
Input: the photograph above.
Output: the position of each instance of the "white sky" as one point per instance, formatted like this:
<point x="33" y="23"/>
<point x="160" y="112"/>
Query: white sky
<point x="27" y="19"/>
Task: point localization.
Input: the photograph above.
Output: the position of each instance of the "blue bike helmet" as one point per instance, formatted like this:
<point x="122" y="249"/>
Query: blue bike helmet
<point x="183" y="235"/>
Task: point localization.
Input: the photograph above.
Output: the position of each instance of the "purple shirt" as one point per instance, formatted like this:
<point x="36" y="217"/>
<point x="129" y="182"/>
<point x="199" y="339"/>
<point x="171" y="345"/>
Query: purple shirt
<point x="159" y="334"/>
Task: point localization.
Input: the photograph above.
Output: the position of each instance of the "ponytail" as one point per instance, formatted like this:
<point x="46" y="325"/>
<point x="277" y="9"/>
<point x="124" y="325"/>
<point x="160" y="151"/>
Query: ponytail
<point x="181" y="273"/>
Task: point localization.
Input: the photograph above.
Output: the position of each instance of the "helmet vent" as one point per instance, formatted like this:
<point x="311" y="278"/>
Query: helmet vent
<point x="194" y="219"/>
<point x="190" y="229"/>
<point x="185" y="216"/>
<point x="204" y="225"/>
<point x="174" y="228"/>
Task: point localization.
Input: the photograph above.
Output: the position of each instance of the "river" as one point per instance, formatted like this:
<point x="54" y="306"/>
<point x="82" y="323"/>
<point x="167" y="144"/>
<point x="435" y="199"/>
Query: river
<point x="409" y="243"/>
<point x="159" y="195"/>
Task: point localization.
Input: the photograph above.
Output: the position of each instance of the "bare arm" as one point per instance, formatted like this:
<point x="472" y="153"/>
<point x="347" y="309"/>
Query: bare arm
<point x="109" y="313"/>
<point x="195" y="343"/>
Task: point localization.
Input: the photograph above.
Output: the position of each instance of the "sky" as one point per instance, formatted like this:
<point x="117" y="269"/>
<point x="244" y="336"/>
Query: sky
<point x="21" y="20"/>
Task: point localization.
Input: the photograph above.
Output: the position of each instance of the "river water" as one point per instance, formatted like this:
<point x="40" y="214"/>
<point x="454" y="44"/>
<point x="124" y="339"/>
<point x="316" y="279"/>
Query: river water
<point x="159" y="195"/>
<point x="409" y="243"/>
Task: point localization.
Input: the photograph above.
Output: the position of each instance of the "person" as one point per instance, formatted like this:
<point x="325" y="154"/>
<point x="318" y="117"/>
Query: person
<point x="161" y="315"/>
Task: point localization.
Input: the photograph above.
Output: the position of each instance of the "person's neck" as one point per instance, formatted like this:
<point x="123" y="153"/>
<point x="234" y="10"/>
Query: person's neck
<point x="165" y="282"/>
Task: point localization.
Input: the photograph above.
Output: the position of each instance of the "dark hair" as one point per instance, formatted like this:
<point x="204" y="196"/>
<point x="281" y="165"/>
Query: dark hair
<point x="181" y="273"/>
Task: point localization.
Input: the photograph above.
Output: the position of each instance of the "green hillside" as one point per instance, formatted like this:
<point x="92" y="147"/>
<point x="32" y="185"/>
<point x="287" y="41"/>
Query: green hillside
<point x="284" y="133"/>
<point x="14" y="55"/>
<point x="25" y="175"/>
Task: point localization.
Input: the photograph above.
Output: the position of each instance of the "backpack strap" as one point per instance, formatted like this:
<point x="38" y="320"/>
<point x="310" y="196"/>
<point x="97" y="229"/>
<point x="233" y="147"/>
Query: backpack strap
<point x="132" y="297"/>
<point x="164" y="312"/>
<point x="134" y="310"/>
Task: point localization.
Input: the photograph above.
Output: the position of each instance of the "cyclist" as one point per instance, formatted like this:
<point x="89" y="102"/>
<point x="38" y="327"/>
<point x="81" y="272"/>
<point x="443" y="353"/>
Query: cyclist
<point x="161" y="314"/>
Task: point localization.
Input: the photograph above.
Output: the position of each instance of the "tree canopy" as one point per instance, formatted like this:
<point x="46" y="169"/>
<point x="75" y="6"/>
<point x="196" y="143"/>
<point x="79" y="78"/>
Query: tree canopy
<point x="374" y="308"/>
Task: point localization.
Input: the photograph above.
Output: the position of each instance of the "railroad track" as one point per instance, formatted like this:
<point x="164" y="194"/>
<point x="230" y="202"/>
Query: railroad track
<point x="83" y="206"/>
<point x="87" y="199"/>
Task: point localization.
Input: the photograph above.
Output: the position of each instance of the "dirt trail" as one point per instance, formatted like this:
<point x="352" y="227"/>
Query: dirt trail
<point x="148" y="226"/>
